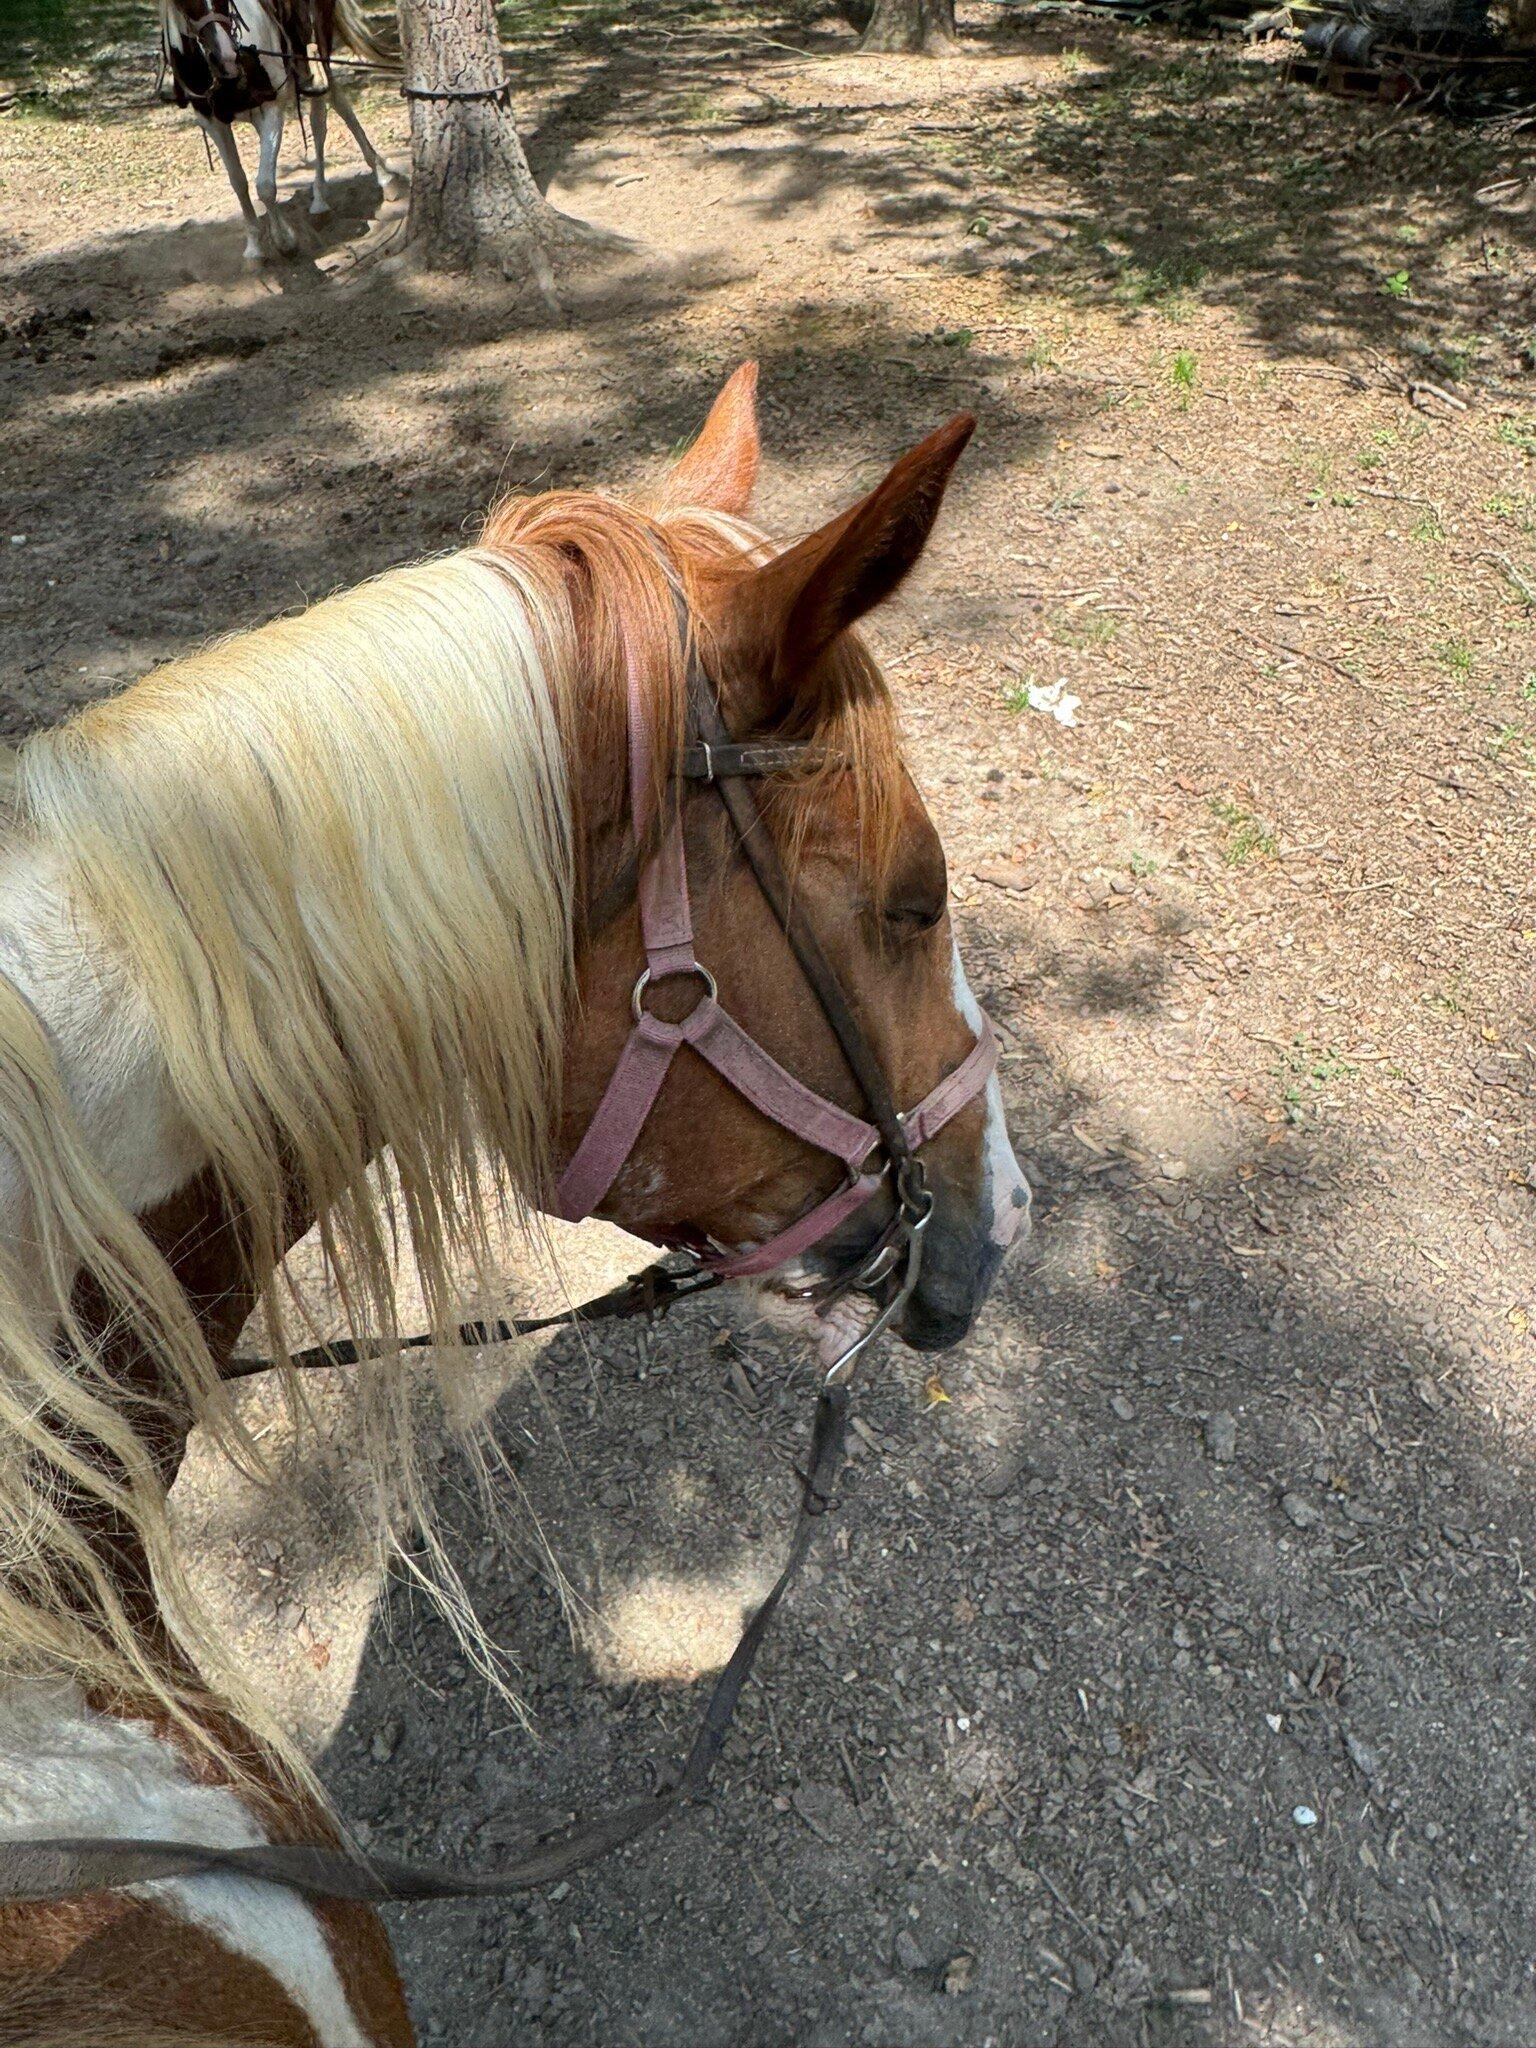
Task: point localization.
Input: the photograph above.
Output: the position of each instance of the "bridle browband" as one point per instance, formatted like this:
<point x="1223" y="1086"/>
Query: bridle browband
<point x="36" y="1869"/>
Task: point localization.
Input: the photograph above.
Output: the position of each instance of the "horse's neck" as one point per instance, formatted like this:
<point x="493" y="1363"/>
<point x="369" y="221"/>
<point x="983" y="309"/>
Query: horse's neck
<point x="118" y="1085"/>
<point x="104" y="1044"/>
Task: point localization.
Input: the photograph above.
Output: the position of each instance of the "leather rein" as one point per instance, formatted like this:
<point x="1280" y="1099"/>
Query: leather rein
<point x="878" y="1154"/>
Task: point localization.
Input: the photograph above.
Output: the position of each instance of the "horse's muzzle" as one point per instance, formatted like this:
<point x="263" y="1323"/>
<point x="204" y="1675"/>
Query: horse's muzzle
<point x="961" y="1260"/>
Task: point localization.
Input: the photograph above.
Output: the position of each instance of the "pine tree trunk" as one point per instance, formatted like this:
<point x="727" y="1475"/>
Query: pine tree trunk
<point x="1522" y="21"/>
<point x="911" y="28"/>
<point x="473" y="199"/>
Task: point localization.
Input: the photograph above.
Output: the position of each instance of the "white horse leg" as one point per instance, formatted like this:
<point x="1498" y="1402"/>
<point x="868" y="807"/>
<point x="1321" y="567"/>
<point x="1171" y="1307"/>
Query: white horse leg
<point x="391" y="182"/>
<point x="268" y="122"/>
<point x="223" y="138"/>
<point x="319" y="201"/>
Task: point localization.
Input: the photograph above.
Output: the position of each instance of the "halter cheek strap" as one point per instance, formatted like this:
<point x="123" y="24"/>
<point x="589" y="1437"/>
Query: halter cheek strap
<point x="654" y="1042"/>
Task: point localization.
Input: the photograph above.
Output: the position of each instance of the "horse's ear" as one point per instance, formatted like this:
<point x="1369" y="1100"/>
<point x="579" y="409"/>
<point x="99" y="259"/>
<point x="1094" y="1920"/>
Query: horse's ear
<point x="720" y="470"/>
<point x="815" y="590"/>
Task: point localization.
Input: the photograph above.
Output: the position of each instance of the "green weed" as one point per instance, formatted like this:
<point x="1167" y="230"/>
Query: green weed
<point x="1518" y="507"/>
<point x="1519" y="434"/>
<point x="1084" y="629"/>
<point x="1398" y="286"/>
<point x="1456" y="655"/>
<point x="1246" y="837"/>
<point x="1306" y="1071"/>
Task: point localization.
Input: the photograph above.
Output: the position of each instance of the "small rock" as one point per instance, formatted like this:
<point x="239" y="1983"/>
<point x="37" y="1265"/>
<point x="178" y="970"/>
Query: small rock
<point x="958" y="1974"/>
<point x="909" y="1954"/>
<point x="1084" y="1975"/>
<point x="533" y="1988"/>
<point x="1304" y="1817"/>
<point x="1005" y="874"/>
<point x="1122" y="1407"/>
<point x="1129" y="1981"/>
<point x="1174" y="1169"/>
<point x="1300" y="1510"/>
<point x="1365" y="1759"/>
<point x="386" y="1741"/>
<point x="1221" y="1436"/>
<point x="1428" y="1391"/>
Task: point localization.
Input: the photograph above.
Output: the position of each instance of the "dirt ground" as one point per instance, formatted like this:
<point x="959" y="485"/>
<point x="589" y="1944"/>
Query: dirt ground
<point x="1170" y="1682"/>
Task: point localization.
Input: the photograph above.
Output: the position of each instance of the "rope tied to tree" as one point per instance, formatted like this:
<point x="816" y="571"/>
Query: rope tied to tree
<point x="500" y="94"/>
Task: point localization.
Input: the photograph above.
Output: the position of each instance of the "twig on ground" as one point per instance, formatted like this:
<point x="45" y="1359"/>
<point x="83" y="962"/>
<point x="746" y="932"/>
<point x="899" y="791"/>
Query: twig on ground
<point x="1300" y="654"/>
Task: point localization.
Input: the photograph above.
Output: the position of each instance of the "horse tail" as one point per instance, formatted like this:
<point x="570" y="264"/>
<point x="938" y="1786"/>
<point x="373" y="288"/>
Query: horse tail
<point x="352" y="31"/>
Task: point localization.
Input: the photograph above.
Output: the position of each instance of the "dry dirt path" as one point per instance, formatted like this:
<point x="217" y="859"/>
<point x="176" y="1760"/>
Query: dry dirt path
<point x="1171" y="1682"/>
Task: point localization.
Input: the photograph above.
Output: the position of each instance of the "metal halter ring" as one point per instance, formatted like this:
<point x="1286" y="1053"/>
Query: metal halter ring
<point x="637" y="1002"/>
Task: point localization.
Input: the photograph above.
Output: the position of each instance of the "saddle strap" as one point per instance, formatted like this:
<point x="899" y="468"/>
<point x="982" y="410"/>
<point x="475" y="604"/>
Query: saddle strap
<point x="34" y="1869"/>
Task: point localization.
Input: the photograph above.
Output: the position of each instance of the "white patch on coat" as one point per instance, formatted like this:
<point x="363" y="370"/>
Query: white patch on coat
<point x="67" y="1770"/>
<point x="1004" y="1190"/>
<point x="104" y="1043"/>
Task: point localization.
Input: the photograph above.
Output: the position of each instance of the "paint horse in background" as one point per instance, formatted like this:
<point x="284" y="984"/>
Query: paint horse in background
<point x="230" y="60"/>
<point x="431" y="870"/>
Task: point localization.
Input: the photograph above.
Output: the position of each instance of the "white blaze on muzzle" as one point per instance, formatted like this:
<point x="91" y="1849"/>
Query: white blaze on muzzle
<point x="1005" y="1194"/>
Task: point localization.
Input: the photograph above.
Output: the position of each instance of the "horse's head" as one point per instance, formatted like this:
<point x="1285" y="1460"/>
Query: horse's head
<point x="777" y="640"/>
<point x="212" y="26"/>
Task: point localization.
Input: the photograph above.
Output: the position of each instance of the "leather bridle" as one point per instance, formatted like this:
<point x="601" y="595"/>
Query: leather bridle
<point x="880" y="1151"/>
<point x="214" y="14"/>
<point x="877" y="1152"/>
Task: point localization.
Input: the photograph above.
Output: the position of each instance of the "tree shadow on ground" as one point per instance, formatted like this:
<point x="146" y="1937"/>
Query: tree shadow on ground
<point x="1197" y="1548"/>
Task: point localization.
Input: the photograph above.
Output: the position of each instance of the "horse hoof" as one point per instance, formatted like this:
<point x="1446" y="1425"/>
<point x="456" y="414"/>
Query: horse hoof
<point x="319" y="204"/>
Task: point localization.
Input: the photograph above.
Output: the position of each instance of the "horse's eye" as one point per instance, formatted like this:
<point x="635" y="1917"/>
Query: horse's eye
<point x="910" y="916"/>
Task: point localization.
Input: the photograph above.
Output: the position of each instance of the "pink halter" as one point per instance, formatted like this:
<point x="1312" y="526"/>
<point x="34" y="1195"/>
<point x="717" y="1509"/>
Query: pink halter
<point x="654" y="1043"/>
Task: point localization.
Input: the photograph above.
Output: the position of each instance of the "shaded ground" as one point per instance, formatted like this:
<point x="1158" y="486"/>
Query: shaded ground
<point x="1225" y="1522"/>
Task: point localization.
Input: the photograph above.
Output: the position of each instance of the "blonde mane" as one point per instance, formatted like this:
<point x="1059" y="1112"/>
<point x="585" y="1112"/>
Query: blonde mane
<point x="336" y="860"/>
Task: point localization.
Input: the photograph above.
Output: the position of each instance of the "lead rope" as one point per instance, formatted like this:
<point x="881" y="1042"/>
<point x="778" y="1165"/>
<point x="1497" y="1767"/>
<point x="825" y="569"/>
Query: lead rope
<point x="65" y="1867"/>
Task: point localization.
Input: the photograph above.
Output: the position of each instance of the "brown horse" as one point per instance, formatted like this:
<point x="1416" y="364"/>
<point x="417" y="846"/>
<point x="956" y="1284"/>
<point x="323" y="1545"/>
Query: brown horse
<point x="365" y="881"/>
<point x="232" y="60"/>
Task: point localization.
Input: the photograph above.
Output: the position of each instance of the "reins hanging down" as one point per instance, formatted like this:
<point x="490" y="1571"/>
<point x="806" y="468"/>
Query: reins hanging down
<point x="888" y="1274"/>
<point x="64" y="1867"/>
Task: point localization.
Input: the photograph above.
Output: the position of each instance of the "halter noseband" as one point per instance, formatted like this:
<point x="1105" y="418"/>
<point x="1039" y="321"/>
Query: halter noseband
<point x="654" y="1042"/>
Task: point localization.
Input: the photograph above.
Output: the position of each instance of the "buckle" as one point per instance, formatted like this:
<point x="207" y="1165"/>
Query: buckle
<point x="636" y="1001"/>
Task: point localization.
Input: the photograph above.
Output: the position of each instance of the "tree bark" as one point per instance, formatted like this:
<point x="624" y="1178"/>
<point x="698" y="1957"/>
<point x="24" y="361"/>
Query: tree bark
<point x="911" y="28"/>
<point x="474" y="203"/>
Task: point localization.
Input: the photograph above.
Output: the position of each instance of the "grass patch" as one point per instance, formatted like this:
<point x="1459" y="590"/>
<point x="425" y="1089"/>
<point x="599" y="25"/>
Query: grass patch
<point x="1518" y="508"/>
<point x="1306" y="1071"/>
<point x="1182" y="372"/>
<point x="1164" y="284"/>
<point x="1084" y="629"/>
<point x="1398" y="286"/>
<point x="1456" y="655"/>
<point x="1428" y="526"/>
<point x="1519" y="434"/>
<point x="1245" y="836"/>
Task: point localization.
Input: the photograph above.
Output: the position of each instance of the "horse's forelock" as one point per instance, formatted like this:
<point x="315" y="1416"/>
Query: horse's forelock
<point x="604" y="569"/>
